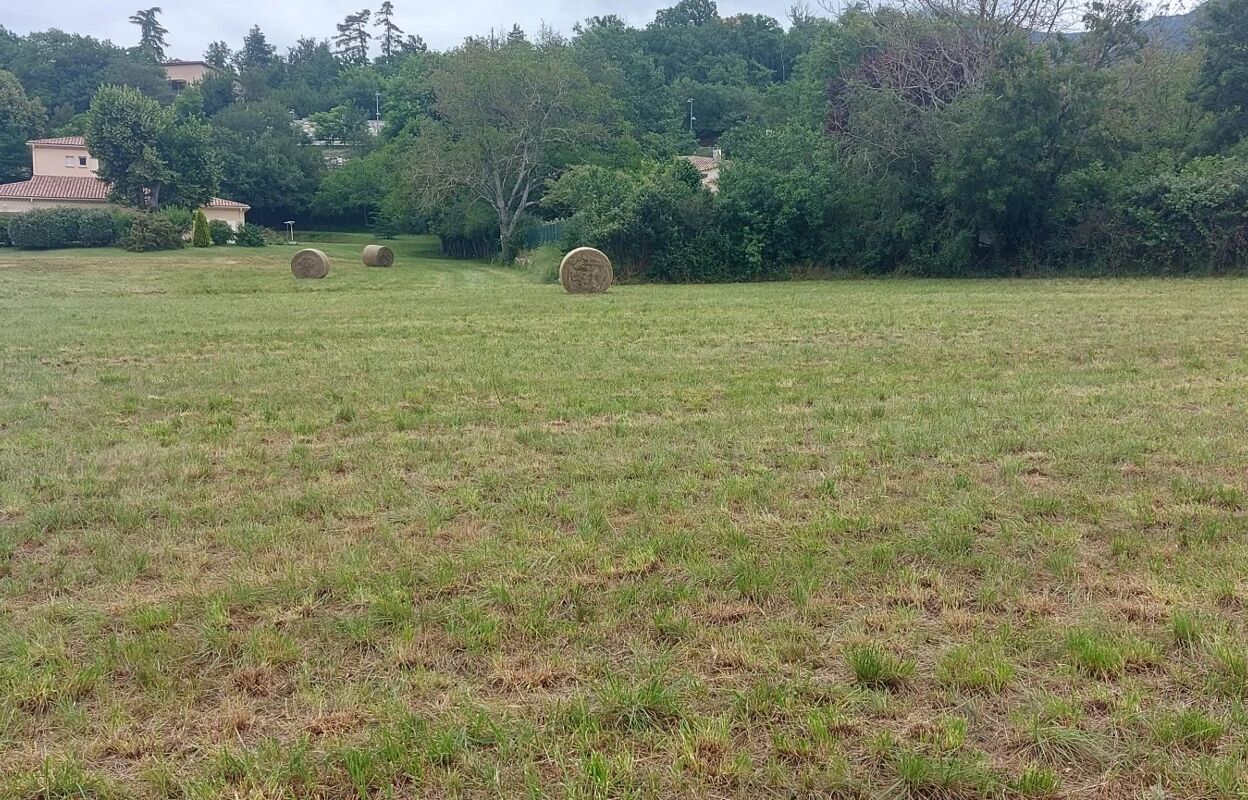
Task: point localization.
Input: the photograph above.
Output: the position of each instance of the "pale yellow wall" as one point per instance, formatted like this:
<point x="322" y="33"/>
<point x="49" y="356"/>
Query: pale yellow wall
<point x="52" y="161"/>
<point x="11" y="205"/>
<point x="188" y="73"/>
<point x="234" y="216"/>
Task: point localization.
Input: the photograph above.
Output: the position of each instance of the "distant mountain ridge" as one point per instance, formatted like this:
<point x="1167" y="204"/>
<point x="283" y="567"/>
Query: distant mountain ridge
<point x="1173" y="31"/>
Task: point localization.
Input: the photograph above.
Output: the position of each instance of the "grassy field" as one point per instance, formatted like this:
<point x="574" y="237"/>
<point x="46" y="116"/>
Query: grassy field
<point x="446" y="531"/>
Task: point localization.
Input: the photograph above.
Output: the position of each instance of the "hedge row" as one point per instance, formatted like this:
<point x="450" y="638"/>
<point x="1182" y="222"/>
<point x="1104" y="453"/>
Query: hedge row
<point x="54" y="228"/>
<point x="51" y="228"/>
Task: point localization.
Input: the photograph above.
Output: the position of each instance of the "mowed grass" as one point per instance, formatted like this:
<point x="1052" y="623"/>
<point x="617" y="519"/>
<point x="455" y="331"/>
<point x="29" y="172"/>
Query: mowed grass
<point x="445" y="531"/>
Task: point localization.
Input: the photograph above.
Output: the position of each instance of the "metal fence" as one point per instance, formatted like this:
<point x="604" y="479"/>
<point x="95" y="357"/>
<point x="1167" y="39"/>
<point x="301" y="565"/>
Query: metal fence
<point x="544" y="233"/>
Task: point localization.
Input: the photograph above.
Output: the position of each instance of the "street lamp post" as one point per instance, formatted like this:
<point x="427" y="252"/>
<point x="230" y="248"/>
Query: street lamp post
<point x="691" y="116"/>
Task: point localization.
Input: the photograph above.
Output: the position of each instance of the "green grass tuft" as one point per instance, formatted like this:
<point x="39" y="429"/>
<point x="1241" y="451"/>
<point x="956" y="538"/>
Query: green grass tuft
<point x="876" y="668"/>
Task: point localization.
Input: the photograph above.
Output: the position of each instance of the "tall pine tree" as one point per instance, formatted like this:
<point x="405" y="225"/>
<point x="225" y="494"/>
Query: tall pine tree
<point x="391" y="41"/>
<point x="218" y="54"/>
<point x="151" y="33"/>
<point x="351" y="43"/>
<point x="256" y="52"/>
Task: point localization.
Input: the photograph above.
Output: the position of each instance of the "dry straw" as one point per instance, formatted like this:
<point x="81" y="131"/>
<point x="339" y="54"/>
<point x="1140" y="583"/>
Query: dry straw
<point x="310" y="263"/>
<point x="585" y="271"/>
<point x="377" y="255"/>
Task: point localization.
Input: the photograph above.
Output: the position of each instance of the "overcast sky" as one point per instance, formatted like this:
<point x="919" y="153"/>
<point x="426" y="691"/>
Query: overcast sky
<point x="442" y="24"/>
<point x="192" y="25"/>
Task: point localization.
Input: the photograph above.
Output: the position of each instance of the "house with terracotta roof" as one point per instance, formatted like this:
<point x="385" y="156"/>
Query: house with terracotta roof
<point x="64" y="173"/>
<point x="708" y="166"/>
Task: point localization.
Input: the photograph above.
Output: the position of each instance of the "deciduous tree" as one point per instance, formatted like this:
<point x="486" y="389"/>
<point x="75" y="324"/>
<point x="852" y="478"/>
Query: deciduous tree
<point x="1223" y="82"/>
<point x="506" y="112"/>
<point x="21" y="118"/>
<point x="147" y="155"/>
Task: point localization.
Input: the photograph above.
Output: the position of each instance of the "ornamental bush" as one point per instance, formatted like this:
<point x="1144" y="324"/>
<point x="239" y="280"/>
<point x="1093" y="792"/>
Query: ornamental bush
<point x="199" y="230"/>
<point x="152" y="232"/>
<point x="249" y="235"/>
<point x="220" y="232"/>
<point x="182" y="218"/>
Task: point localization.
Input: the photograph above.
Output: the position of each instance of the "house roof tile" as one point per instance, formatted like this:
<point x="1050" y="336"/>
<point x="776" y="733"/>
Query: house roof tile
<point x="60" y="141"/>
<point x="56" y="187"/>
<point x="220" y="202"/>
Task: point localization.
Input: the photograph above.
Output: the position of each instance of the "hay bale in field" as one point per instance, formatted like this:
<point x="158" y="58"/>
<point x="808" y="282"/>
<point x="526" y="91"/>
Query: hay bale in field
<point x="378" y="255"/>
<point x="585" y="271"/>
<point x="310" y="263"/>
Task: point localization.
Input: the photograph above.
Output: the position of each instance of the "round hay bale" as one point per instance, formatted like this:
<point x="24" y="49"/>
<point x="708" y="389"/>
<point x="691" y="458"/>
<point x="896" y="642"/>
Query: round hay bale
<point x="378" y="255"/>
<point x="585" y="271"/>
<point x="310" y="263"/>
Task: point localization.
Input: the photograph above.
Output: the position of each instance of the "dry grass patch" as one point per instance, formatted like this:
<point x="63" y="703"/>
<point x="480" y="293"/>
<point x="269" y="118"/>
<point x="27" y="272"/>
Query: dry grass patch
<point x="443" y="531"/>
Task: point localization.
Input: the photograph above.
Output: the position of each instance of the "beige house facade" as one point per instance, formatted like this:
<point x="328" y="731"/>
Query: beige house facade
<point x="65" y="174"/>
<point x="182" y="74"/>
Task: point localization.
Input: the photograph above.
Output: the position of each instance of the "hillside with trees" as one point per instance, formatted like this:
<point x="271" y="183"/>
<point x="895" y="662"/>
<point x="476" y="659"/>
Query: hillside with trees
<point x="935" y="137"/>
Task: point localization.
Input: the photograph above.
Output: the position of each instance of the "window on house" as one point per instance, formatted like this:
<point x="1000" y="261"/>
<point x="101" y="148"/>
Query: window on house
<point x="82" y="161"/>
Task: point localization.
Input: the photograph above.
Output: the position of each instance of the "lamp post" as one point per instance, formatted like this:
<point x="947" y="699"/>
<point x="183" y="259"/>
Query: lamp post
<point x="377" y="98"/>
<point x="691" y="116"/>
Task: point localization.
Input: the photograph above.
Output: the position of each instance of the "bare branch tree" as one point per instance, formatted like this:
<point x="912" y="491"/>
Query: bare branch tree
<point x="504" y="108"/>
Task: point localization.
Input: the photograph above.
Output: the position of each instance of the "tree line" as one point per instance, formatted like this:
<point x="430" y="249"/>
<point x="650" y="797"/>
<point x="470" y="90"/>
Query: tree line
<point x="941" y="137"/>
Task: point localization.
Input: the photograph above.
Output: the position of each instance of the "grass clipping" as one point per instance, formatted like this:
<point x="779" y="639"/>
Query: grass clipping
<point x="378" y="255"/>
<point x="310" y="263"/>
<point x="585" y="271"/>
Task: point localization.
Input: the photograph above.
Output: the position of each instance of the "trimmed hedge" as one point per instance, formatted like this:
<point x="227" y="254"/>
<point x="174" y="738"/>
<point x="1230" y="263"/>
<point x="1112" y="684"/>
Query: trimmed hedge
<point x="97" y="229"/>
<point x="152" y="232"/>
<point x="52" y="228"/>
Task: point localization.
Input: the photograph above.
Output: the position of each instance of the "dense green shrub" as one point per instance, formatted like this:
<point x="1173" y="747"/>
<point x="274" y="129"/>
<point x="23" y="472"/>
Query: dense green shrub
<point x="96" y="228"/>
<point x="779" y="203"/>
<point x="199" y="230"/>
<point x="249" y="235"/>
<point x="152" y="232"/>
<point x="122" y="220"/>
<point x="1196" y="219"/>
<point x="46" y="228"/>
<point x="657" y="223"/>
<point x="220" y="232"/>
<point x="180" y="218"/>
